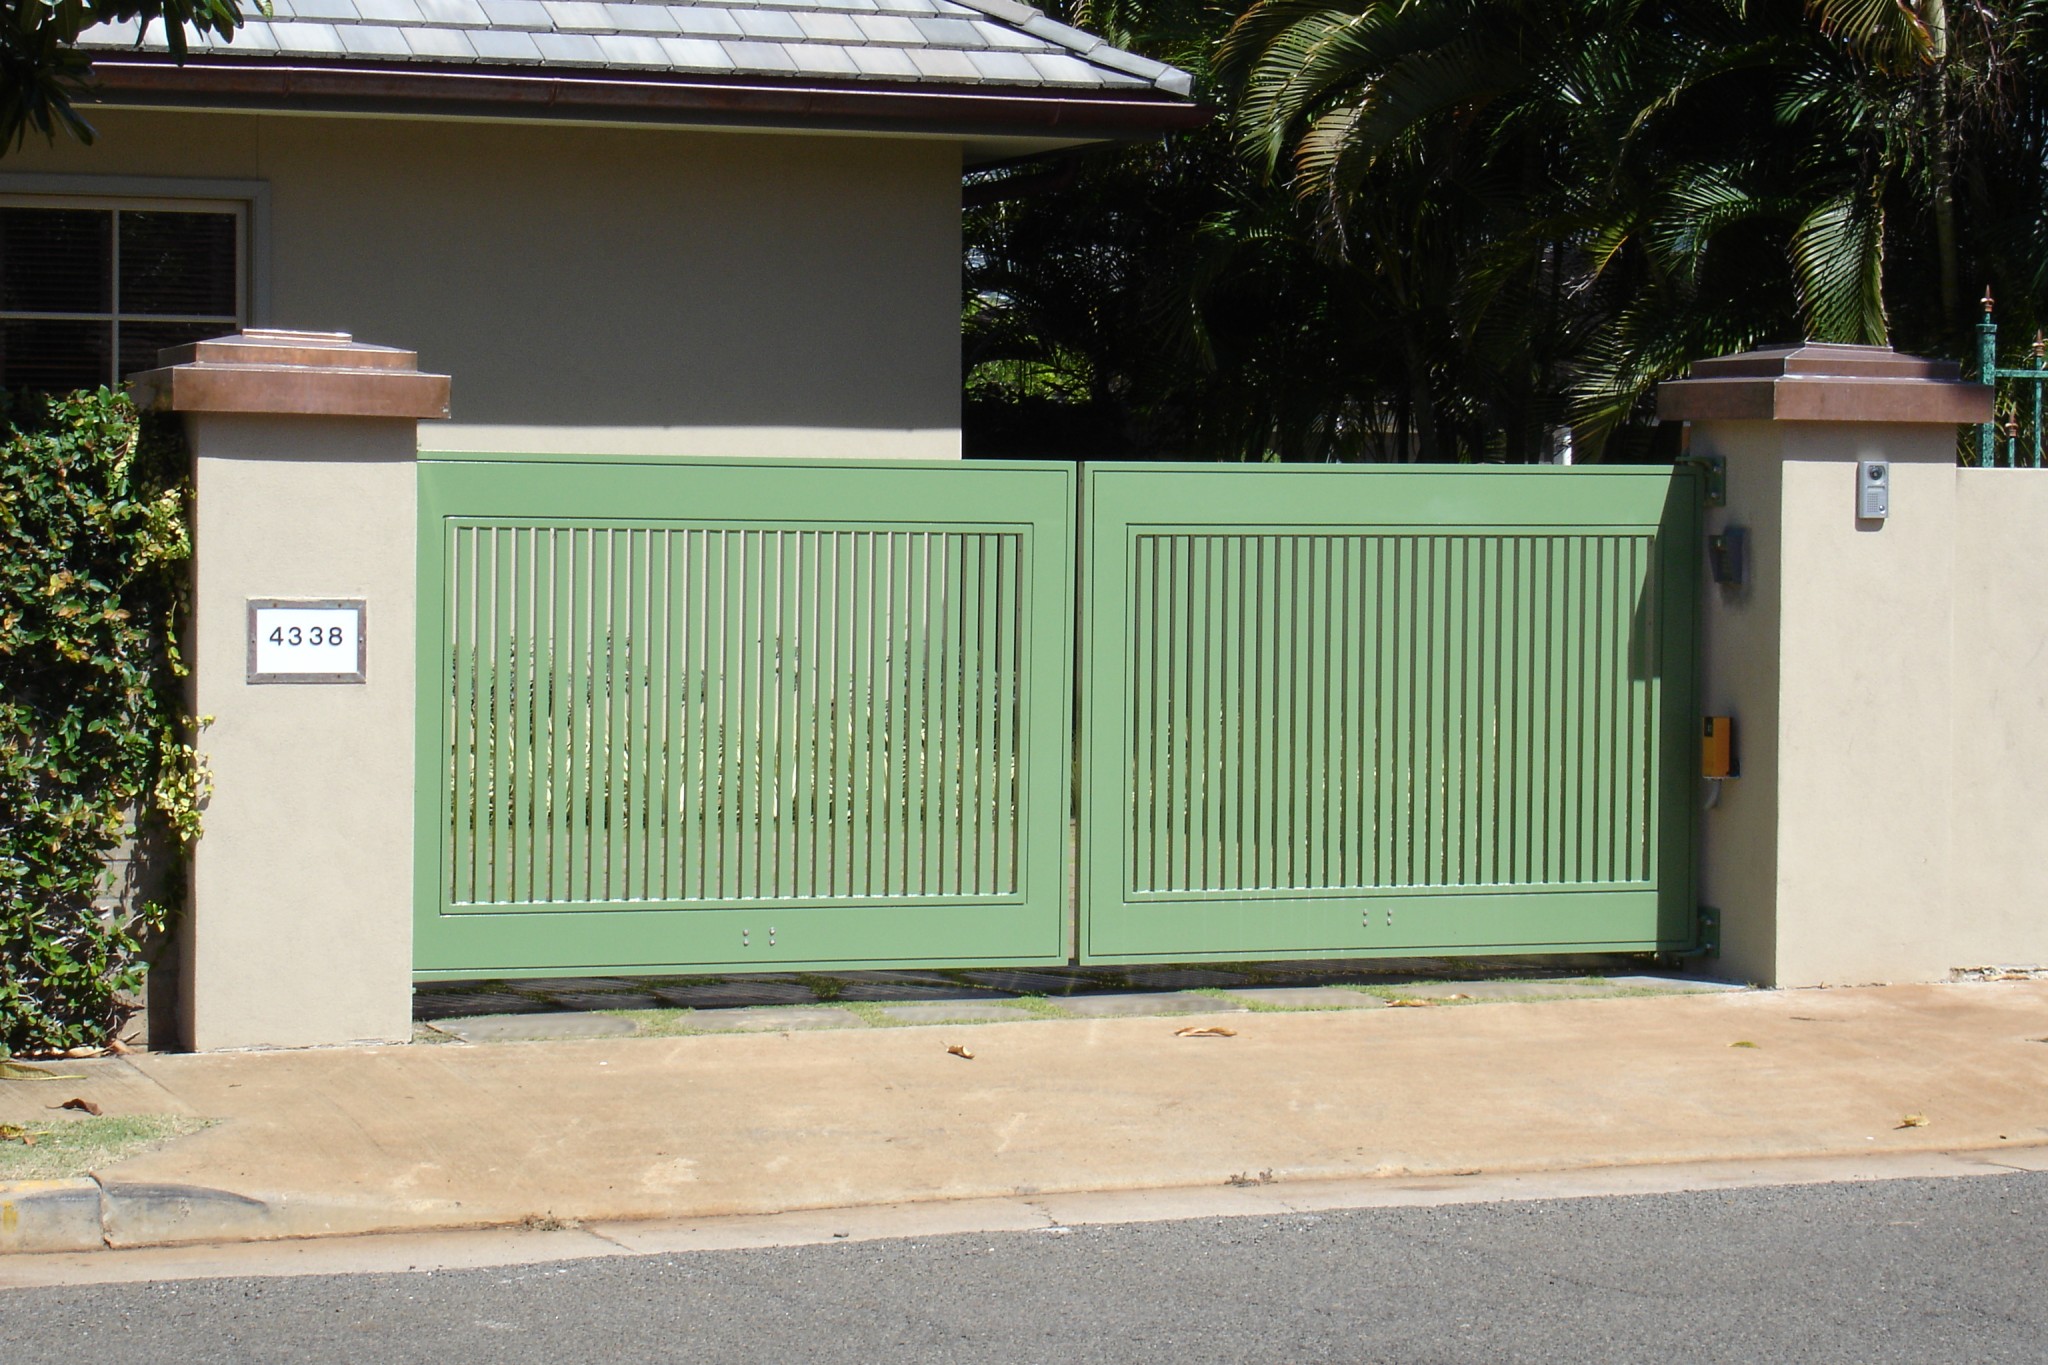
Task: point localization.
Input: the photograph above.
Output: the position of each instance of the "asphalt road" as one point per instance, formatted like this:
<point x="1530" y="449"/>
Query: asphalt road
<point x="1901" y="1271"/>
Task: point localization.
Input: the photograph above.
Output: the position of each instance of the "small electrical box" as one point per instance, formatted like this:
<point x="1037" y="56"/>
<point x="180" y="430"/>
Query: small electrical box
<point x="1717" y="747"/>
<point x="1873" y="489"/>
<point x="1728" y="555"/>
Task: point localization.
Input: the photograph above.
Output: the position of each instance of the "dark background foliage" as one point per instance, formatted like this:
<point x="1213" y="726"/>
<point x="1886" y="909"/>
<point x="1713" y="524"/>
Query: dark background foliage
<point x="1485" y="229"/>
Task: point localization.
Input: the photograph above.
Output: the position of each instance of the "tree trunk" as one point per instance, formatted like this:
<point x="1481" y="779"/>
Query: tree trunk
<point x="1950" y="268"/>
<point x="1426" y="437"/>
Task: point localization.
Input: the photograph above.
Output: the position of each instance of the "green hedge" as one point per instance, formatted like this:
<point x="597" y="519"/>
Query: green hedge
<point x="94" y="536"/>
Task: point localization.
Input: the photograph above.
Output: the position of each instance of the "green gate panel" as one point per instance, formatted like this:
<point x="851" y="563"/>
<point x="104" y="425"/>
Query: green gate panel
<point x="686" y="715"/>
<point x="1384" y="710"/>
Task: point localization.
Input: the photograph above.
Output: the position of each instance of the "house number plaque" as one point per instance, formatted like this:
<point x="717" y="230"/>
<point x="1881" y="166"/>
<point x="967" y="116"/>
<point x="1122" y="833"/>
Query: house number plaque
<point x="314" y="640"/>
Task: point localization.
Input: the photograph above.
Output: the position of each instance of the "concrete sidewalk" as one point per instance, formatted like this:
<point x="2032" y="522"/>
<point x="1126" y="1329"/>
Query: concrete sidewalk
<point x="360" y="1140"/>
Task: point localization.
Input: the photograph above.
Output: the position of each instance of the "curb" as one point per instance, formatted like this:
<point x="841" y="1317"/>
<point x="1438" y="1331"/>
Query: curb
<point x="50" y="1215"/>
<point x="172" y="1216"/>
<point x="136" y="1215"/>
<point x="84" y="1214"/>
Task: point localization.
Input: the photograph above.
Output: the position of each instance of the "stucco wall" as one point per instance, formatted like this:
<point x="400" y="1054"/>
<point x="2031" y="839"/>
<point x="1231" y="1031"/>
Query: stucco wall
<point x="642" y="290"/>
<point x="301" y="923"/>
<point x="1863" y="736"/>
<point x="1999" y="913"/>
<point x="1889" y="682"/>
<point x="1739" y="678"/>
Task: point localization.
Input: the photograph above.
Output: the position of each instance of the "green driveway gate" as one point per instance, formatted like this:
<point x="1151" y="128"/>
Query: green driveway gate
<point x="702" y="716"/>
<point x="691" y="715"/>
<point x="1343" y="710"/>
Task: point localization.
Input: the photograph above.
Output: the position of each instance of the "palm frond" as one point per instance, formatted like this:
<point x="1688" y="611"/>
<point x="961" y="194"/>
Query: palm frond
<point x="1838" y="270"/>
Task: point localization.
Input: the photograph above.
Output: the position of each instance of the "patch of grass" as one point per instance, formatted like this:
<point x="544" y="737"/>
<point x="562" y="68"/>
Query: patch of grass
<point x="876" y="1013"/>
<point x="1675" y="988"/>
<point x="667" y="1023"/>
<point x="1390" y="994"/>
<point x="1256" y="973"/>
<point x="1100" y="980"/>
<point x="537" y="991"/>
<point x="1259" y="1006"/>
<point x="685" y="1023"/>
<point x="71" y="1147"/>
<point x="1039" y="1006"/>
<point x="826" y="988"/>
<point x="1400" y="990"/>
<point x="1595" y="989"/>
<point x="1554" y="988"/>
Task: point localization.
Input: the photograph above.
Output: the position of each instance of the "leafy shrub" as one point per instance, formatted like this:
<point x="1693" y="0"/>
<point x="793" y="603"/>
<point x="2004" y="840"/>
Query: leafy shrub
<point x="93" y="542"/>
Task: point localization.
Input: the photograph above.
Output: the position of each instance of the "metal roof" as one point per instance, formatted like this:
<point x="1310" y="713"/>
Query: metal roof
<point x="985" y="46"/>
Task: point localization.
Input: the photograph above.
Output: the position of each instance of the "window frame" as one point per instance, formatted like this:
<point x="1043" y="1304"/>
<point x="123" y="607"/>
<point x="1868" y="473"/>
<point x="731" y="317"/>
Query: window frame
<point x="247" y="201"/>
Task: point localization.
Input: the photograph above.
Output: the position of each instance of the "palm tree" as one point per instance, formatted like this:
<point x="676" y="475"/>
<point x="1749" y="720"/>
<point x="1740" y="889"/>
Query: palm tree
<point x="1450" y="228"/>
<point x="1461" y="147"/>
<point x="1158" y="301"/>
<point x="1681" y="178"/>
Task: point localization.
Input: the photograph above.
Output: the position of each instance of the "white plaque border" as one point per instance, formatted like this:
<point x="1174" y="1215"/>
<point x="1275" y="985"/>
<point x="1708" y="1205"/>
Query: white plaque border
<point x="357" y="604"/>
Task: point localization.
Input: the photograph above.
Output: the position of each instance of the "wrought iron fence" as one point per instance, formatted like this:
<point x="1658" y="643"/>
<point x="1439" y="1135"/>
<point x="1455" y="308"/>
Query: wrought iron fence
<point x="2017" y="413"/>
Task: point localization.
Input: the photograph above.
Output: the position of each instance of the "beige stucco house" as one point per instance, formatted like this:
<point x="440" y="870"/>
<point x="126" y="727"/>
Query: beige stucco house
<point x="708" y="228"/>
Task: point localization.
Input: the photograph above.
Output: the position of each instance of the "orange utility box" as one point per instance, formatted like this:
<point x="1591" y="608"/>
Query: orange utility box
<point x="1717" y="747"/>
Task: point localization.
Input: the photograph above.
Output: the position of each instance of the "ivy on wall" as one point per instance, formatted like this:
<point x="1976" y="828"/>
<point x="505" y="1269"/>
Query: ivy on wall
<point x="94" y="539"/>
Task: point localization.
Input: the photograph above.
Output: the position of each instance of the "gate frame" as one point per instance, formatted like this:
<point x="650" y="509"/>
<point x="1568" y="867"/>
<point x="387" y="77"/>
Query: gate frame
<point x="759" y="919"/>
<point x="1679" y="925"/>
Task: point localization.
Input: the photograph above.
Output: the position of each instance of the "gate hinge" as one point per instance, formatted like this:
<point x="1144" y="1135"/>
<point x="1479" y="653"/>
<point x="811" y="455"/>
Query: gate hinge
<point x="1706" y="937"/>
<point x="1707" y="931"/>
<point x="1713" y="476"/>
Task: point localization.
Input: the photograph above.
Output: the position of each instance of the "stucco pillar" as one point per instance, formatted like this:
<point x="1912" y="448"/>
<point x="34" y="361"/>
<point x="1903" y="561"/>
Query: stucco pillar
<point x="1829" y="857"/>
<point x="298" y="928"/>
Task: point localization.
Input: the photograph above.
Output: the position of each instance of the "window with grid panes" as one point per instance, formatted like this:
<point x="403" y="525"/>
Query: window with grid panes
<point x="90" y="293"/>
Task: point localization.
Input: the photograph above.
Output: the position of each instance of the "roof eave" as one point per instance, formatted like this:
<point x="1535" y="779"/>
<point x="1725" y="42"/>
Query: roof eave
<point x="373" y="89"/>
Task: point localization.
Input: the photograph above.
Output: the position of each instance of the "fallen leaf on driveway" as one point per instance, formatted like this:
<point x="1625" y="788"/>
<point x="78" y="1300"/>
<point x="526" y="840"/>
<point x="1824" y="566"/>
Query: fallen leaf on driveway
<point x="14" y="1132"/>
<point x="1744" y="1043"/>
<point x="1913" y="1121"/>
<point x="1205" y="1031"/>
<point x="75" y="1103"/>
<point x="22" y="1071"/>
<point x="958" y="1051"/>
<point x="1410" y="1003"/>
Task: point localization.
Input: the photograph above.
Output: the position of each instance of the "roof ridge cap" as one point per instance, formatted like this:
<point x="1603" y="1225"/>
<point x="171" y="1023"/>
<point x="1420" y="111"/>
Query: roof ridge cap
<point x="1008" y="11"/>
<point x="1091" y="47"/>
